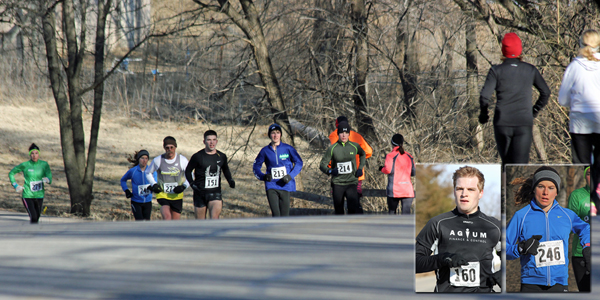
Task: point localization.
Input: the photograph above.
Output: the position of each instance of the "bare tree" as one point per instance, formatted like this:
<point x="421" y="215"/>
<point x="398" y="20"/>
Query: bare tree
<point x="361" y="68"/>
<point x="79" y="170"/>
<point x="472" y="85"/>
<point x="248" y="20"/>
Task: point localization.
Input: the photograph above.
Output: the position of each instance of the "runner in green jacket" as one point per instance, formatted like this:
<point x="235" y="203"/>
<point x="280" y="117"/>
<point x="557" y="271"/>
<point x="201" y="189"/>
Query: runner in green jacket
<point x="37" y="174"/>
<point x="344" y="172"/>
<point x="579" y="202"/>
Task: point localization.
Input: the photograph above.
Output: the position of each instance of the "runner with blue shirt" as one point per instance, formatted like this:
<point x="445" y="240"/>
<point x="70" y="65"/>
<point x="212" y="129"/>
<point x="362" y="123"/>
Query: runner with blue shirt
<point x="141" y="197"/>
<point x="538" y="234"/>
<point x="283" y="165"/>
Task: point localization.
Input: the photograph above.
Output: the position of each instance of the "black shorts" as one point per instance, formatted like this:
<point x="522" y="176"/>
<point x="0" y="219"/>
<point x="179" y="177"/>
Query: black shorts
<point x="201" y="199"/>
<point x="175" y="205"/>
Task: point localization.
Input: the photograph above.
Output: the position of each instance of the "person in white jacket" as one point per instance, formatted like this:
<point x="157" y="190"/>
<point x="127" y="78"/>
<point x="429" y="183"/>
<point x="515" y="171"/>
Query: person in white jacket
<point x="580" y="91"/>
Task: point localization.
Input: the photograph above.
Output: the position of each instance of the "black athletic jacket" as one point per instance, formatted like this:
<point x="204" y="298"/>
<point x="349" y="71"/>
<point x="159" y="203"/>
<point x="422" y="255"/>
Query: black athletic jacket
<point x="512" y="81"/>
<point x="477" y="237"/>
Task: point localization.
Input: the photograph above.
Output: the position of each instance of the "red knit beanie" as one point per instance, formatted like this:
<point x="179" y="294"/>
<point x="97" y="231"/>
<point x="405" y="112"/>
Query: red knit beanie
<point x="511" y="45"/>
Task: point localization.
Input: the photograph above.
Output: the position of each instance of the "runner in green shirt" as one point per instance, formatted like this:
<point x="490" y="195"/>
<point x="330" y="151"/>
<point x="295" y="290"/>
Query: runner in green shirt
<point x="344" y="171"/>
<point x="579" y="202"/>
<point x="37" y="174"/>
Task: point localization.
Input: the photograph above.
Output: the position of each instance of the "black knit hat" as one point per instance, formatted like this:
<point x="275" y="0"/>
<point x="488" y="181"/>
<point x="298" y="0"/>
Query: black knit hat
<point x="549" y="174"/>
<point x="274" y="126"/>
<point x="169" y="141"/>
<point x="397" y="140"/>
<point x="340" y="119"/>
<point x="343" y="127"/>
<point x="33" y="147"/>
<point x="142" y="153"/>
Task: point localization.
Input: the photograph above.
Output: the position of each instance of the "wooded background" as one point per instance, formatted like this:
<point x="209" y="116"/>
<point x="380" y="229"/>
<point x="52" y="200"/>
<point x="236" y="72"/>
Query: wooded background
<point x="413" y="67"/>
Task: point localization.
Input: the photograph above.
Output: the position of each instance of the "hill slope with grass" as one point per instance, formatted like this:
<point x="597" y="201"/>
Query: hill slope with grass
<point x="37" y="122"/>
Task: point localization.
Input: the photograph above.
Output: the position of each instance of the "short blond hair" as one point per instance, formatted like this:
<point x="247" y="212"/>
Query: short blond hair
<point x="589" y="43"/>
<point x="467" y="171"/>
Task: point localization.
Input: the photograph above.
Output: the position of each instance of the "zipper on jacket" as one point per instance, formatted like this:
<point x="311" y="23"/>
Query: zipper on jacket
<point x="547" y="238"/>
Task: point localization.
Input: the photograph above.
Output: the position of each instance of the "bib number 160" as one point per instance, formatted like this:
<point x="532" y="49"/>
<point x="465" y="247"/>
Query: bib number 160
<point x="465" y="275"/>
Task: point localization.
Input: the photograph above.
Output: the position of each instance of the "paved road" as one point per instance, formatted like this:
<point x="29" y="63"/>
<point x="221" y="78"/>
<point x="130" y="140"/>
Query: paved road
<point x="327" y="257"/>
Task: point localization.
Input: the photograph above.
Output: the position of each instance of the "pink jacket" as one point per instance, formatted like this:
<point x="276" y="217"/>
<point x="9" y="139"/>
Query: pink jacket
<point x="399" y="167"/>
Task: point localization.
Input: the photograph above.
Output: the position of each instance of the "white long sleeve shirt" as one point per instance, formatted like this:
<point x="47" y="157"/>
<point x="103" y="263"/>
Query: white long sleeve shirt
<point x="580" y="91"/>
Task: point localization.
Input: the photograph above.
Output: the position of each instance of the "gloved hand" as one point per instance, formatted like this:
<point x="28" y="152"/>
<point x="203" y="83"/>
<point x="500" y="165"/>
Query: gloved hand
<point x="451" y="260"/>
<point x="494" y="279"/>
<point x="128" y="193"/>
<point x="333" y="172"/>
<point x="179" y="189"/>
<point x="268" y="177"/>
<point x="232" y="184"/>
<point x="358" y="173"/>
<point x="380" y="168"/>
<point x="587" y="258"/>
<point x="156" y="188"/>
<point x="46" y="180"/>
<point x="530" y="246"/>
<point x="287" y="178"/>
<point x="483" y="116"/>
<point x="535" y="111"/>
<point x="17" y="187"/>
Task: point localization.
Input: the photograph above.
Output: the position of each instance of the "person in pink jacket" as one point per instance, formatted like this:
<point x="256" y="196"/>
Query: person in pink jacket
<point x="400" y="166"/>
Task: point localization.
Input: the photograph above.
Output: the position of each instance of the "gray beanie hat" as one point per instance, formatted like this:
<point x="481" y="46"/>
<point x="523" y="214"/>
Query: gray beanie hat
<point x="546" y="173"/>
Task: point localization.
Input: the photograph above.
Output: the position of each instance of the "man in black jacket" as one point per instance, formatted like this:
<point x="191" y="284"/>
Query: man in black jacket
<point x="513" y="116"/>
<point x="465" y="242"/>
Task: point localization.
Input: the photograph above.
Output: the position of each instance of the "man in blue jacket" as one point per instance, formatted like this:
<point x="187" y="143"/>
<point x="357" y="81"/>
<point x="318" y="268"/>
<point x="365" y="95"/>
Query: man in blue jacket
<point x="538" y="234"/>
<point x="283" y="165"/>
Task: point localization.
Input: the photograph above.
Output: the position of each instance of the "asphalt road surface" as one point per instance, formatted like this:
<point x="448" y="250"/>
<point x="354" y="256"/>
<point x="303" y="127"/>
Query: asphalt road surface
<point x="321" y="257"/>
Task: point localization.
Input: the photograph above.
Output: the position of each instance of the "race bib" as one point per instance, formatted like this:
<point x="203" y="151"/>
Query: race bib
<point x="278" y="173"/>
<point x="344" y="167"/>
<point x="211" y="182"/>
<point x="465" y="275"/>
<point x="36" y="186"/>
<point x="143" y="190"/>
<point x="550" y="253"/>
<point x="169" y="186"/>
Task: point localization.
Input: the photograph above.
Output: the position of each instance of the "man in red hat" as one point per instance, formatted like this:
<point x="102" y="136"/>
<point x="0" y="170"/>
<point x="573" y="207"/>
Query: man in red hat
<point x="513" y="115"/>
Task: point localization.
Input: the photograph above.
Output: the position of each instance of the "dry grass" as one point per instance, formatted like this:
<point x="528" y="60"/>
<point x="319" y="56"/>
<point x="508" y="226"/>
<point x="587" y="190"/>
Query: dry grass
<point x="23" y="122"/>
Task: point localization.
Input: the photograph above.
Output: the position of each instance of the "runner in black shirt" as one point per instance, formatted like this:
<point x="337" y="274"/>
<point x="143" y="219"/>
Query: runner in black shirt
<point x="514" y="113"/>
<point x="208" y="164"/>
<point x="465" y="242"/>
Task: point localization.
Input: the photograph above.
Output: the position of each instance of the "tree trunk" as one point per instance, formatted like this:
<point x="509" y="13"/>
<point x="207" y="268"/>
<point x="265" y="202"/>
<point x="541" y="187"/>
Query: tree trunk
<point x="69" y="102"/>
<point x="475" y="129"/>
<point x="88" y="180"/>
<point x="407" y="70"/>
<point x="538" y="144"/>
<point x="361" y="69"/>
<point x="250" y="24"/>
<point x="57" y="84"/>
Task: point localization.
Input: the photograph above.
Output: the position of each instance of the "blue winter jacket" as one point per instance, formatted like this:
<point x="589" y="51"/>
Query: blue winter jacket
<point x="557" y="224"/>
<point x="284" y="155"/>
<point x="138" y="178"/>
